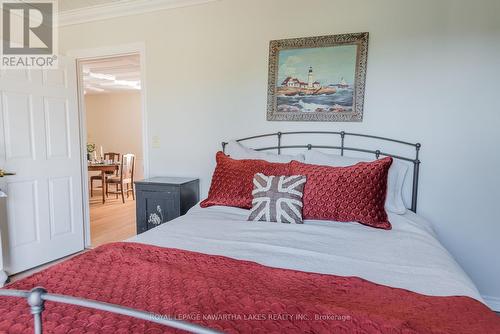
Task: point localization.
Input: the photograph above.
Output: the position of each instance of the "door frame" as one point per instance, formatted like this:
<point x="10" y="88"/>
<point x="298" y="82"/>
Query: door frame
<point x="82" y="55"/>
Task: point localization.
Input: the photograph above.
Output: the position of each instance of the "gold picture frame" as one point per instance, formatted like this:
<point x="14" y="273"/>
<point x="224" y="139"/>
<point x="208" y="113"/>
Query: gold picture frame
<point x="317" y="78"/>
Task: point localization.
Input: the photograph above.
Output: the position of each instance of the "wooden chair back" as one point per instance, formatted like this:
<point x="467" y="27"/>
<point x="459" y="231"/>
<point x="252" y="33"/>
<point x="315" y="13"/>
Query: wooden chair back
<point x="115" y="157"/>
<point x="128" y="167"/>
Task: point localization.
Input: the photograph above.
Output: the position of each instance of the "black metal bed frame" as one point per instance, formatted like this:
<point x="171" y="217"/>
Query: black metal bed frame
<point x="37" y="297"/>
<point x="414" y="160"/>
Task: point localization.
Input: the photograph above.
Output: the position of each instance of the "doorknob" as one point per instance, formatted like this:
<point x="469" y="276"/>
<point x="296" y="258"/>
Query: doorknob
<point x="4" y="173"/>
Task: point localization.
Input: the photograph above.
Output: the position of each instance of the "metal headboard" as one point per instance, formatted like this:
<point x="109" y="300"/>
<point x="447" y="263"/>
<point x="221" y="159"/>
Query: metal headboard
<point x="414" y="160"/>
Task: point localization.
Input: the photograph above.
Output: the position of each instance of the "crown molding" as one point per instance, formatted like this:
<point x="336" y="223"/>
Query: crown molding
<point x="121" y="8"/>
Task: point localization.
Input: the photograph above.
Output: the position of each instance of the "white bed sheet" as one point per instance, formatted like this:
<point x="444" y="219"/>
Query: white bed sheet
<point x="409" y="256"/>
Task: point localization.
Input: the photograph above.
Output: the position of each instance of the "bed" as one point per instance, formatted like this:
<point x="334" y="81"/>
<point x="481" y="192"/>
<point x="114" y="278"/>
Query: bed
<point x="409" y="256"/>
<point x="214" y="269"/>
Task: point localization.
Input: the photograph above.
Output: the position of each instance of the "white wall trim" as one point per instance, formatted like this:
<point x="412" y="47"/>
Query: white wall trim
<point x="493" y="302"/>
<point x="105" y="52"/>
<point x="121" y="8"/>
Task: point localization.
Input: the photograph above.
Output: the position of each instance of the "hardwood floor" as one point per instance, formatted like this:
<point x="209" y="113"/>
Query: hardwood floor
<point x="112" y="221"/>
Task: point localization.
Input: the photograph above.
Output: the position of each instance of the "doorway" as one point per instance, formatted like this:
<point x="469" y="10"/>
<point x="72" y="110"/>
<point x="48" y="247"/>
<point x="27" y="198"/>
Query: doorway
<point x="112" y="117"/>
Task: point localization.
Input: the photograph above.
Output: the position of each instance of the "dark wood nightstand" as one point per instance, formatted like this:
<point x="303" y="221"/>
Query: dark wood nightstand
<point x="161" y="199"/>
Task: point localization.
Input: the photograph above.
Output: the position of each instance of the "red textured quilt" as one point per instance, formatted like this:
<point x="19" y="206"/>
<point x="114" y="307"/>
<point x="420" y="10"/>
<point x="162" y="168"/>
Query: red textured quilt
<point x="231" y="296"/>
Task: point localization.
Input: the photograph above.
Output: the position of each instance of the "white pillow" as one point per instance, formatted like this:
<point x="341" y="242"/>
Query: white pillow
<point x="395" y="180"/>
<point x="237" y="151"/>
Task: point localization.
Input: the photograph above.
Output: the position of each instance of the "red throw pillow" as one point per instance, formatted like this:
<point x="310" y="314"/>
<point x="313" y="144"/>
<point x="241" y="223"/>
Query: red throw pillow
<point x="232" y="181"/>
<point x="345" y="194"/>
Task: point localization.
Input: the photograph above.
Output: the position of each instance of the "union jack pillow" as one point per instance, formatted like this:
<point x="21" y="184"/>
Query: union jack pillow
<point x="277" y="198"/>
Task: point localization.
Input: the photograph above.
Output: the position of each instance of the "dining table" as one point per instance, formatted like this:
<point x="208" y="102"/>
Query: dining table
<point x="104" y="168"/>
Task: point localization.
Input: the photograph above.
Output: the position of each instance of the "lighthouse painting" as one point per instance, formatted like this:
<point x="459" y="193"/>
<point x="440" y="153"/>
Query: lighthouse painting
<point x="317" y="78"/>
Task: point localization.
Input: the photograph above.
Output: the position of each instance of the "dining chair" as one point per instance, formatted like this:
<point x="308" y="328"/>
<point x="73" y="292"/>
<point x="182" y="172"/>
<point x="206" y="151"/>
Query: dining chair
<point x="115" y="157"/>
<point x="125" y="180"/>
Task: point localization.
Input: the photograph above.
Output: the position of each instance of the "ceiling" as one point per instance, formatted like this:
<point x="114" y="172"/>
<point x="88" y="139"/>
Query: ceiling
<point x="114" y="74"/>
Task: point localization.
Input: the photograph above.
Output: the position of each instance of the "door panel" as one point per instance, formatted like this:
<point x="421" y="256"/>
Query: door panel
<point x="39" y="141"/>
<point x="57" y="128"/>
<point x="22" y="211"/>
<point x="18" y="125"/>
<point x="16" y="75"/>
<point x="56" y="78"/>
<point x="61" y="206"/>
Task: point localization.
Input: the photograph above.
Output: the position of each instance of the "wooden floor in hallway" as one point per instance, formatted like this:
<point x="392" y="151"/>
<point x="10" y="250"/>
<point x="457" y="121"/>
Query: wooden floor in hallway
<point x="112" y="221"/>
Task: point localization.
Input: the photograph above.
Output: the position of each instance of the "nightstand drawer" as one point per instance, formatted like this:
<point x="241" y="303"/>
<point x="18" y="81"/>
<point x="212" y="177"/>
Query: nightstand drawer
<point x="162" y="199"/>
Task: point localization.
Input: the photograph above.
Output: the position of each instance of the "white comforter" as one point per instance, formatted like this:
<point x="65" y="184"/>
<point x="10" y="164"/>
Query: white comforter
<point x="409" y="256"/>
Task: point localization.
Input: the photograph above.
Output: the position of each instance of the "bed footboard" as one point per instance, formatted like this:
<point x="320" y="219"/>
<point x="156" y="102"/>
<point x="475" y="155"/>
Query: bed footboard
<point x="37" y="296"/>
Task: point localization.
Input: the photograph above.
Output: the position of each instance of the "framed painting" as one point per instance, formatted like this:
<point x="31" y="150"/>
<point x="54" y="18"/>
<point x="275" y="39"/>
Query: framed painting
<point x="317" y="78"/>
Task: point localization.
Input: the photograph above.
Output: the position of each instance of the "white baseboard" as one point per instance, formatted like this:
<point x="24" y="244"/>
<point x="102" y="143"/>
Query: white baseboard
<point x="493" y="302"/>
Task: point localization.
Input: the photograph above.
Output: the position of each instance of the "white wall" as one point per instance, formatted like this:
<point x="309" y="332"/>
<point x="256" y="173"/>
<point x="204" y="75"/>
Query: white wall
<point x="433" y="70"/>
<point x="114" y="121"/>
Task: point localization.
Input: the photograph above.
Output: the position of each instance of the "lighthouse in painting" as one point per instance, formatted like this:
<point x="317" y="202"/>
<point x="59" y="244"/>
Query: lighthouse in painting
<point x="310" y="78"/>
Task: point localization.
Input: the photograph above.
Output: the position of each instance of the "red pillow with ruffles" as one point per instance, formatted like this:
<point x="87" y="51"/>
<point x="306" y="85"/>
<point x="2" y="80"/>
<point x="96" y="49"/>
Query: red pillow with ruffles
<point x="346" y="194"/>
<point x="232" y="181"/>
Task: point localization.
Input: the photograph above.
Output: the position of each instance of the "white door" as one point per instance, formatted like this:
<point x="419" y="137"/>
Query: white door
<point x="39" y="141"/>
